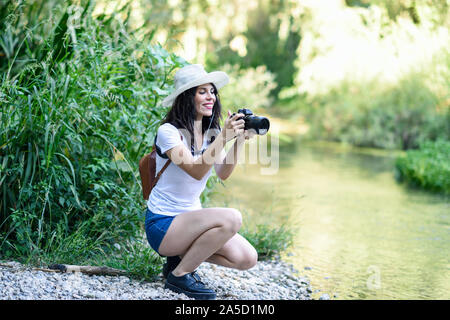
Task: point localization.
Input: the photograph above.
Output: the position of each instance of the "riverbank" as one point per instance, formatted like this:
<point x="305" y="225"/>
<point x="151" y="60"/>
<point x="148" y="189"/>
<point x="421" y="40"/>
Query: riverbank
<point x="268" y="280"/>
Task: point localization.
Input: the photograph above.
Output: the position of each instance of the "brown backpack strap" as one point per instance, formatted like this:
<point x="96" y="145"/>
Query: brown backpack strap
<point x="160" y="173"/>
<point x="163" y="168"/>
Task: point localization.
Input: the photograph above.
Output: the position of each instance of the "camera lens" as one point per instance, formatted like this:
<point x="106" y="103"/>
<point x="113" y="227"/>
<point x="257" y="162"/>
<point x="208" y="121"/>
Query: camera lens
<point x="264" y="126"/>
<point x="259" y="124"/>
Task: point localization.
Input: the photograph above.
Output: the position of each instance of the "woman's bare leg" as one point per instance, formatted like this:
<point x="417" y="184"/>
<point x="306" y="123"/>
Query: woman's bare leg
<point x="197" y="235"/>
<point x="237" y="253"/>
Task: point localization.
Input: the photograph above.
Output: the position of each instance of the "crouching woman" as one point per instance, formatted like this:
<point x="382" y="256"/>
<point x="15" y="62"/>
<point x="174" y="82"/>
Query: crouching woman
<point x="176" y="224"/>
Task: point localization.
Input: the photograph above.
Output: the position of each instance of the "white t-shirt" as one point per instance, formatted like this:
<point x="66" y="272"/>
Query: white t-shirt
<point x="176" y="191"/>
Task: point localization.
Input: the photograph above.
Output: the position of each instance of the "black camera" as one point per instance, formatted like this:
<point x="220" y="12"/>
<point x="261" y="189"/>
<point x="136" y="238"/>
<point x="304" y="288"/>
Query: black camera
<point x="259" y="124"/>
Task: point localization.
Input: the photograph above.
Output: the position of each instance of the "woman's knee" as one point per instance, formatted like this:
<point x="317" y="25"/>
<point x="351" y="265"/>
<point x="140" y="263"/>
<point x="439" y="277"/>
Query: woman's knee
<point x="248" y="260"/>
<point x="232" y="220"/>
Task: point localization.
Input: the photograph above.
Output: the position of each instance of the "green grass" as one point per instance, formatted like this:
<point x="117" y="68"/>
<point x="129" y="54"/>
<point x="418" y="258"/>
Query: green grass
<point x="428" y="167"/>
<point x="269" y="241"/>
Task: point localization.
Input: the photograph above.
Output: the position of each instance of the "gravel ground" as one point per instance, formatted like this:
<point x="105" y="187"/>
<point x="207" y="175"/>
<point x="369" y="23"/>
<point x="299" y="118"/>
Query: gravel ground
<point x="267" y="280"/>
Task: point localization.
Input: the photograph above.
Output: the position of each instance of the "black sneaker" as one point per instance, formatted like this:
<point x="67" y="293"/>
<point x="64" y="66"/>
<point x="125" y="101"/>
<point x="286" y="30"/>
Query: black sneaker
<point x="170" y="265"/>
<point x="191" y="285"/>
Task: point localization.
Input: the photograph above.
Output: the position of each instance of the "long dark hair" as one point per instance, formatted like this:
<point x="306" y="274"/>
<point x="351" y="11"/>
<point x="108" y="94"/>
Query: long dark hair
<point x="183" y="113"/>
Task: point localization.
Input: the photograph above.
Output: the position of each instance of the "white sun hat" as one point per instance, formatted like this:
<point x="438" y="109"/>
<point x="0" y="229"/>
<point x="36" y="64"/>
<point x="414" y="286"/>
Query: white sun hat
<point x="191" y="76"/>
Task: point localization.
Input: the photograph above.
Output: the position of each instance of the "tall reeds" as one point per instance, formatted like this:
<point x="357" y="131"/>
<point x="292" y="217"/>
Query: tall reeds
<point x="78" y="109"/>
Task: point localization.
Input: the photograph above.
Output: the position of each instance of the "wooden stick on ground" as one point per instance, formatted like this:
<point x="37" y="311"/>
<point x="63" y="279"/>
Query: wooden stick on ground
<point x="88" y="269"/>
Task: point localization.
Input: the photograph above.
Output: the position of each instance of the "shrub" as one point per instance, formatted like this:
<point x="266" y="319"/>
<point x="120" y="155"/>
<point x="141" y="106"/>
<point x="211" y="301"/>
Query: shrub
<point x="376" y="81"/>
<point x="269" y="241"/>
<point x="79" y="108"/>
<point x="376" y="115"/>
<point x="428" y="167"/>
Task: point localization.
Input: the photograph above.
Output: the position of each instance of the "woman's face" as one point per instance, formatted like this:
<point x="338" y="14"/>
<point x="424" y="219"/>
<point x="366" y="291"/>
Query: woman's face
<point x="205" y="97"/>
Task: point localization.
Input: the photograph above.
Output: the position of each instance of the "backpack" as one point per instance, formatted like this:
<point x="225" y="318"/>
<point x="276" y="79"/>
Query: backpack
<point x="147" y="169"/>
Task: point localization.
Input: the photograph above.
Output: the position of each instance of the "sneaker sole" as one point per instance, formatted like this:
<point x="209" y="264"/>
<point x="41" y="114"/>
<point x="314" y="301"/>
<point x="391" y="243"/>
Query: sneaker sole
<point x="195" y="295"/>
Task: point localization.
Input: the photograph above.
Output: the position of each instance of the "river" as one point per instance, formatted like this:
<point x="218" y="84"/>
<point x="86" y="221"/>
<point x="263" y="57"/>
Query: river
<point x="358" y="233"/>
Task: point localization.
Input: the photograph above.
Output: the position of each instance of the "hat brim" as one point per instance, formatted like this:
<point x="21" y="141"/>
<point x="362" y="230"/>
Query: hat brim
<point x="219" y="78"/>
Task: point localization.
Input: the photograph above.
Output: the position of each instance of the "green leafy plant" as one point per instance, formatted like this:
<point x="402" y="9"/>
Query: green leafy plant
<point x="140" y="261"/>
<point x="428" y="167"/>
<point x="79" y="107"/>
<point x="269" y="241"/>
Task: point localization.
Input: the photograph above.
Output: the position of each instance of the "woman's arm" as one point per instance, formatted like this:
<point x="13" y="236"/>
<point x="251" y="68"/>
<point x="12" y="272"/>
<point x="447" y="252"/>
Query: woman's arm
<point x="181" y="156"/>
<point x="225" y="167"/>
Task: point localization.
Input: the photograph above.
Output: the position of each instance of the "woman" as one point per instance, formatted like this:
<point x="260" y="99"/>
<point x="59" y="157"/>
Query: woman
<point x="176" y="224"/>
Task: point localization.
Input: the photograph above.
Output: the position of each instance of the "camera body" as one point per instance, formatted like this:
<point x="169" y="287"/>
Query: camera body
<point x="261" y="125"/>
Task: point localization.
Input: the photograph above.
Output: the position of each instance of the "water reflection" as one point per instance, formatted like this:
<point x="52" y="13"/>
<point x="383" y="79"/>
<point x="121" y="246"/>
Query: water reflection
<point x="362" y="235"/>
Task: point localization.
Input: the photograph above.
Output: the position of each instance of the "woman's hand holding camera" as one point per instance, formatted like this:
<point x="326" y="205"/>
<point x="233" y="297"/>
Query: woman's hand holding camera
<point x="234" y="127"/>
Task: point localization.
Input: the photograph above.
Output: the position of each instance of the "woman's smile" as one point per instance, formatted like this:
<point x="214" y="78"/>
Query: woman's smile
<point x="205" y="97"/>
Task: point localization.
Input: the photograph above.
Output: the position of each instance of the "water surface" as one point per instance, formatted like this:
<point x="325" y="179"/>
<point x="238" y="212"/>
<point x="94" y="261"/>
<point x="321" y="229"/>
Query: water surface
<point x="359" y="234"/>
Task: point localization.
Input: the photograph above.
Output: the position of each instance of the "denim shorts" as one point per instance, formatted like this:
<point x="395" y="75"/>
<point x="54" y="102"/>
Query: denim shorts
<point x="156" y="226"/>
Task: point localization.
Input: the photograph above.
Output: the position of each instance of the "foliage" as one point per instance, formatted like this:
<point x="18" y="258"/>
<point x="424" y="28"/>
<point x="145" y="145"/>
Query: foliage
<point x="376" y="115"/>
<point x="279" y="53"/>
<point x="368" y="47"/>
<point x="136" y="257"/>
<point x="247" y="88"/>
<point x="245" y="34"/>
<point x="417" y="11"/>
<point x="79" y="108"/>
<point x="428" y="167"/>
<point x="265" y="44"/>
<point x="269" y="241"/>
<point x="377" y="80"/>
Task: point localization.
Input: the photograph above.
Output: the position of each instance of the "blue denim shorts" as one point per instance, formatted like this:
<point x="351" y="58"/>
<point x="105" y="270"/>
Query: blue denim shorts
<point x="156" y="226"/>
